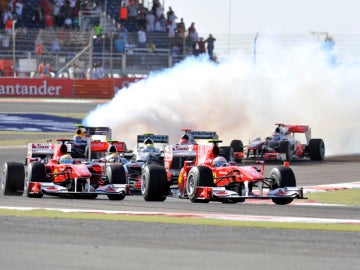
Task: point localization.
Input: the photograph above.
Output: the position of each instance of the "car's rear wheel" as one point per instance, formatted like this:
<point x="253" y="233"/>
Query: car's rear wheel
<point x="237" y="146"/>
<point x="316" y="149"/>
<point x="282" y="177"/>
<point x="227" y="152"/>
<point x="285" y="147"/>
<point x="13" y="179"/>
<point x="154" y="186"/>
<point x="199" y="176"/>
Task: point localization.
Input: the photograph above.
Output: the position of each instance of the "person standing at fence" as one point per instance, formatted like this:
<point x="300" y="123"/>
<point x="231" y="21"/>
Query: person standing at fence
<point x="44" y="69"/>
<point x="210" y="46"/>
<point x="98" y="72"/>
<point x="201" y="45"/>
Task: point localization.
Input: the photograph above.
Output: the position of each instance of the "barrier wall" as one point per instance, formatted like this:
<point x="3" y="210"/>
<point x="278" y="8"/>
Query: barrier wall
<point x="62" y="88"/>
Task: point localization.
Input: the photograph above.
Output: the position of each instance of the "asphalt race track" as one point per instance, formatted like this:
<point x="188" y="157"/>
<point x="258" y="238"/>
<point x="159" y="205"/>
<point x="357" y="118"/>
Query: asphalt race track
<point x="34" y="243"/>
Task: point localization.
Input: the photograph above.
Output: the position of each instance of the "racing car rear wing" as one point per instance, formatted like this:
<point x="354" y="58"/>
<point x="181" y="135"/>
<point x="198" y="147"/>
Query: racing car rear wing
<point x="105" y="146"/>
<point x="154" y="138"/>
<point x="39" y="150"/>
<point x="202" y="134"/>
<point x="297" y="129"/>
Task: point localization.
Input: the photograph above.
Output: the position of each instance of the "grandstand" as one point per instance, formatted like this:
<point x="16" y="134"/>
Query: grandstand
<point x="79" y="45"/>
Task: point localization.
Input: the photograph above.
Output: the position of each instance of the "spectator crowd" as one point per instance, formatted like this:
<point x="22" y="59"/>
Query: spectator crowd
<point x="133" y="18"/>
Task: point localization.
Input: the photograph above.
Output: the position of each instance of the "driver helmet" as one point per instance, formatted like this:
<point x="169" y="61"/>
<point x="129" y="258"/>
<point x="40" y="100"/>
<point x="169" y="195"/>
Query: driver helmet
<point x="79" y="135"/>
<point x="184" y="139"/>
<point x="219" y="161"/>
<point x="277" y="134"/>
<point x="149" y="144"/>
<point x="112" y="157"/>
<point x="66" y="159"/>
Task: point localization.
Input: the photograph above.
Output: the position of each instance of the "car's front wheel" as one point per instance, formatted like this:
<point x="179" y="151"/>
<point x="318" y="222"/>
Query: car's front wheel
<point x="13" y="179"/>
<point x="199" y="176"/>
<point x="282" y="177"/>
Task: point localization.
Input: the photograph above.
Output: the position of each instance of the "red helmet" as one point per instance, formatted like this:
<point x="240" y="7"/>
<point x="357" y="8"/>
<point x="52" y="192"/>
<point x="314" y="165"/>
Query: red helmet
<point x="183" y="141"/>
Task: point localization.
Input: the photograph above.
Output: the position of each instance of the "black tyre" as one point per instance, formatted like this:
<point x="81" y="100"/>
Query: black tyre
<point x="282" y="177"/>
<point x="116" y="174"/>
<point x="237" y="146"/>
<point x="227" y="152"/>
<point x="13" y="179"/>
<point x="116" y="197"/>
<point x="154" y="186"/>
<point x="285" y="147"/>
<point x="199" y="176"/>
<point x="36" y="173"/>
<point x="316" y="149"/>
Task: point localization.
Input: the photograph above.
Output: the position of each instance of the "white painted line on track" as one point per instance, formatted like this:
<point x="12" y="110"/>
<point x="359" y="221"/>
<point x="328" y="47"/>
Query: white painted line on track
<point x="331" y="187"/>
<point x="197" y="215"/>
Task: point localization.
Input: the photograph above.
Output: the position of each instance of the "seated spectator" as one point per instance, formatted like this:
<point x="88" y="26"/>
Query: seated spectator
<point x="151" y="46"/>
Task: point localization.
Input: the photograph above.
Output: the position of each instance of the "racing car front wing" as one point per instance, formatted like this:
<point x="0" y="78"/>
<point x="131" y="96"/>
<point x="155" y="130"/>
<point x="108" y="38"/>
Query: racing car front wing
<point x="223" y="194"/>
<point x="35" y="188"/>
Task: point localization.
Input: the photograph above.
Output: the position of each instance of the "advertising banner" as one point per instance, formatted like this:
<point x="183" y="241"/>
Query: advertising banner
<point x="36" y="88"/>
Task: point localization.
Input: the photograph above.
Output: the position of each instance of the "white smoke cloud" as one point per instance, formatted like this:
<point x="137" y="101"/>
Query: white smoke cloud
<point x="240" y="100"/>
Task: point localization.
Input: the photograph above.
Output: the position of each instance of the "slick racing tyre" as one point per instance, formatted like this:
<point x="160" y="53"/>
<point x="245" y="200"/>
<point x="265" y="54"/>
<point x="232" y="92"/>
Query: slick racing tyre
<point x="36" y="173"/>
<point x="316" y="149"/>
<point x="154" y="186"/>
<point x="199" y="176"/>
<point x="282" y="177"/>
<point x="227" y="152"/>
<point x="116" y="174"/>
<point x="237" y="146"/>
<point x="13" y="179"/>
<point x="285" y="147"/>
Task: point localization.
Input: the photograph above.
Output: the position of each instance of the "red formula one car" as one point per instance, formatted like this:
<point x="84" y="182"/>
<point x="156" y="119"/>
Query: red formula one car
<point x="284" y="144"/>
<point x="50" y="169"/>
<point x="208" y="176"/>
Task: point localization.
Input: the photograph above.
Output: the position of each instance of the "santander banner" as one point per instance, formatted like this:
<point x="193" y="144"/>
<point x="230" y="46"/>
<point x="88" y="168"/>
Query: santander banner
<point x="40" y="88"/>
